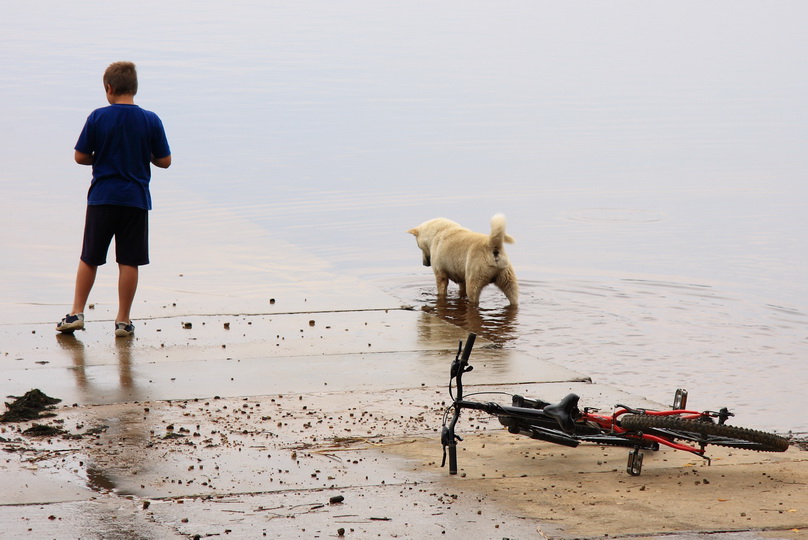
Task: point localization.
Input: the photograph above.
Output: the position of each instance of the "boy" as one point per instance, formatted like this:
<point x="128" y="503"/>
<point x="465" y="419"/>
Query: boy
<point x="119" y="142"/>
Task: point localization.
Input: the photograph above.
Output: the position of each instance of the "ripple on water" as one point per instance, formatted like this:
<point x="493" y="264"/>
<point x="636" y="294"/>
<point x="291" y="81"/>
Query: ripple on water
<point x="614" y="215"/>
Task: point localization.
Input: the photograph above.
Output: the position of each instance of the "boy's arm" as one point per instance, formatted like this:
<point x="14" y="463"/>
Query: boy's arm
<point x="83" y="159"/>
<point x="163" y="162"/>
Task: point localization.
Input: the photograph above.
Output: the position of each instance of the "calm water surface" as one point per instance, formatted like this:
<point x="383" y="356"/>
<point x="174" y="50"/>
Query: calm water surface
<point x="650" y="159"/>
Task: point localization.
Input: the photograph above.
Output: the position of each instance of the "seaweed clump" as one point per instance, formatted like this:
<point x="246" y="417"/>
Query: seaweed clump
<point x="38" y="430"/>
<point x="33" y="405"/>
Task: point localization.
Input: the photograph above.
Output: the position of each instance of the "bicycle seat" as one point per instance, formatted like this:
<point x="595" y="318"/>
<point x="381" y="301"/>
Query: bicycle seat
<point x="565" y="412"/>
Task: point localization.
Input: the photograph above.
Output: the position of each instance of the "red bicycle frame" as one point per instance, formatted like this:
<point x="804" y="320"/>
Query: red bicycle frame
<point x="610" y="422"/>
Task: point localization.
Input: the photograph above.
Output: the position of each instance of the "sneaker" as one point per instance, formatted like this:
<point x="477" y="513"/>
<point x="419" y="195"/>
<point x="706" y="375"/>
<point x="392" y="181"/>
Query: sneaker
<point x="71" y="323"/>
<point x="123" y="329"/>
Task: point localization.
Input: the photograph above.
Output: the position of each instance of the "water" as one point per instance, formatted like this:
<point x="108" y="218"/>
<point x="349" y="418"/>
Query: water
<point x="649" y="158"/>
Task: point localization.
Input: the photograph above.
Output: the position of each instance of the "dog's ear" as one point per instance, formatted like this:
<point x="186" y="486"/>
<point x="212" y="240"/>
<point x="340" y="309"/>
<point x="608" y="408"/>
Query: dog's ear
<point x="509" y="239"/>
<point x="414" y="232"/>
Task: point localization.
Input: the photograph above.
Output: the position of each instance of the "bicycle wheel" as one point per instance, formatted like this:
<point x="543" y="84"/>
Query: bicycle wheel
<point x="705" y="432"/>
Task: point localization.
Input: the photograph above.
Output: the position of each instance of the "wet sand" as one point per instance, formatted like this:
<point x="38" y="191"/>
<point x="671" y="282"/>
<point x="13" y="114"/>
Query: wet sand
<point x="260" y="390"/>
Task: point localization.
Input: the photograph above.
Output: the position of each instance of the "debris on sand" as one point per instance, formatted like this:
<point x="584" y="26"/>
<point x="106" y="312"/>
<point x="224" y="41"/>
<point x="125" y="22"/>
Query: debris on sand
<point x="39" y="430"/>
<point x="31" y="406"/>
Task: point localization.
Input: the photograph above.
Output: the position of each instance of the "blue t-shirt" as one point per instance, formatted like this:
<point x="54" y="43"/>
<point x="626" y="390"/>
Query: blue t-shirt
<point x="124" y="139"/>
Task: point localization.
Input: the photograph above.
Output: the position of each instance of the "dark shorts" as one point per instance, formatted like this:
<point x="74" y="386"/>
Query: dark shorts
<point x="127" y="224"/>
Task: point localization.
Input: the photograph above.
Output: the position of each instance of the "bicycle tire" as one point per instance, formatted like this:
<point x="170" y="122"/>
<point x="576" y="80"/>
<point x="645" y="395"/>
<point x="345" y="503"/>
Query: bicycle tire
<point x="705" y="432"/>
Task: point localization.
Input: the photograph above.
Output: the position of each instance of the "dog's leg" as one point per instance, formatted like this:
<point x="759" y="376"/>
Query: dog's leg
<point x="507" y="283"/>
<point x="473" y="290"/>
<point x="462" y="285"/>
<point x="442" y="283"/>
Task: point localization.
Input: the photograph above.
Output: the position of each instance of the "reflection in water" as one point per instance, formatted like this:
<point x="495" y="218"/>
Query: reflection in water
<point x="107" y="467"/>
<point x="75" y="349"/>
<point x="497" y="324"/>
<point x="126" y="390"/>
<point x="124" y="349"/>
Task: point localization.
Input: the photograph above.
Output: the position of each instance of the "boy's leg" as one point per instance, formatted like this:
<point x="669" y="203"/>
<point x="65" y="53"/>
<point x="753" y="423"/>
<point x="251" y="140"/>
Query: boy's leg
<point x="127" y="287"/>
<point x="97" y="236"/>
<point x="131" y="251"/>
<point x="85" y="278"/>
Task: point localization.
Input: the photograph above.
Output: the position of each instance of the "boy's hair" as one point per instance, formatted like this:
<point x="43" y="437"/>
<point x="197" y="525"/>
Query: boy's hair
<point x="121" y="77"/>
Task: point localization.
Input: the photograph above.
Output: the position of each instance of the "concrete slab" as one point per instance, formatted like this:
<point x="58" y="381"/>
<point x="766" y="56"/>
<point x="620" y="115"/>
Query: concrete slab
<point x="197" y="356"/>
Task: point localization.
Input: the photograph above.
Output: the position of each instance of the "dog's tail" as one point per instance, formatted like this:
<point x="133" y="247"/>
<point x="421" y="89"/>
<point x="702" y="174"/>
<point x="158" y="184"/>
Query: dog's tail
<point x="498" y="236"/>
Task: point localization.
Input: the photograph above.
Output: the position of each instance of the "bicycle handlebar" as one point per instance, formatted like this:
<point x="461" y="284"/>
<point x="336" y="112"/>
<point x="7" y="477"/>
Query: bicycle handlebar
<point x="467" y="349"/>
<point x="459" y="365"/>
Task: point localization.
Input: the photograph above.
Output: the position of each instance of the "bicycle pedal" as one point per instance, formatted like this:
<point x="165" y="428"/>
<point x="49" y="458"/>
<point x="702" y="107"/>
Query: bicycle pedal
<point x="634" y="465"/>
<point x="679" y="399"/>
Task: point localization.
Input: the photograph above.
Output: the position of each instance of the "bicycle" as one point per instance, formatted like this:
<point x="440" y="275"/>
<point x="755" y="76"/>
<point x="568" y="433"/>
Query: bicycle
<point x="564" y="423"/>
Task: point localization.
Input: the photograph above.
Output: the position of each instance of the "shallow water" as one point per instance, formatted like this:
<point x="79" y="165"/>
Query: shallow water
<point x="649" y="158"/>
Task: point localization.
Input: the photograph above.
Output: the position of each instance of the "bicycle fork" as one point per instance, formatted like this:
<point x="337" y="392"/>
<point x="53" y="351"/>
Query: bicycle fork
<point x="449" y="441"/>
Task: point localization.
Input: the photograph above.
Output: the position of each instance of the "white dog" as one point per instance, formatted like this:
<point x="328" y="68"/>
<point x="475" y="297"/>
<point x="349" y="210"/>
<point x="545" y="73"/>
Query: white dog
<point x="470" y="259"/>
